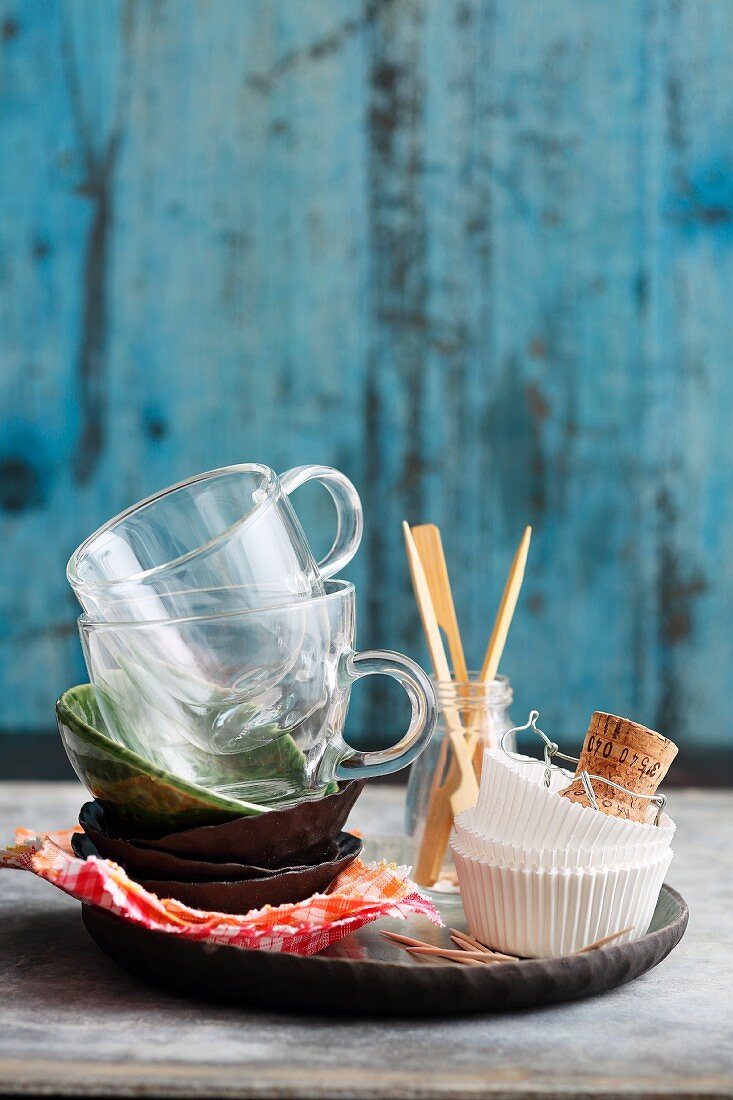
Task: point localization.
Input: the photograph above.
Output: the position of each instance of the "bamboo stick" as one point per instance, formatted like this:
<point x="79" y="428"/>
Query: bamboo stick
<point x="505" y="614"/>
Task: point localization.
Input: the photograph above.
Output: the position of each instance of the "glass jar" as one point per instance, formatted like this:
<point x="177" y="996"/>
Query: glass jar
<point x="484" y="712"/>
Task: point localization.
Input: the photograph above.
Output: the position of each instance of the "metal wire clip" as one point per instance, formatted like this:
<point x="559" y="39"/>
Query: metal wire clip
<point x="552" y="749"/>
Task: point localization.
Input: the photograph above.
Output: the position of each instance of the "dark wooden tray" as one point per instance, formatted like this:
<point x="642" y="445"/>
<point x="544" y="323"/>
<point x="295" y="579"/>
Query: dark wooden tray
<point x="364" y="974"/>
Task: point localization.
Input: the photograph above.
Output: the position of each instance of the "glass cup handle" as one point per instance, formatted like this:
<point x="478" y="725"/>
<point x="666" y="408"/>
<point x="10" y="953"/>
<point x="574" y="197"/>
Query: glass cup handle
<point x="349" y="516"/>
<point x="420" y="691"/>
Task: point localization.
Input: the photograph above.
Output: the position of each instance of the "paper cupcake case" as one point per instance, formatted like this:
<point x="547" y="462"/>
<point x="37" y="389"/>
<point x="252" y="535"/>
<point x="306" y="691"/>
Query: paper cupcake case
<point x="529" y="768"/>
<point x="492" y="850"/>
<point x="515" y="807"/>
<point x="508" y="782"/>
<point x="539" y="913"/>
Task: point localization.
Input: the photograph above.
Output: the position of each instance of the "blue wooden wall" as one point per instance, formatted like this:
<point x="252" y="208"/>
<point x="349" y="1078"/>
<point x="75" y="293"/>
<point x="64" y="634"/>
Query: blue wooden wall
<point x="476" y="253"/>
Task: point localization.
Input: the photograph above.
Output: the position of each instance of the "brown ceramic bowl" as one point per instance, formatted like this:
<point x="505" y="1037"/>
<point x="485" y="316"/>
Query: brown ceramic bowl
<point x="287" y="885"/>
<point x="149" y="863"/>
<point x="298" y="834"/>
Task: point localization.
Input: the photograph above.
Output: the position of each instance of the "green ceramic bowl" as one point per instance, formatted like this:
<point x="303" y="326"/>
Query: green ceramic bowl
<point x="135" y="793"/>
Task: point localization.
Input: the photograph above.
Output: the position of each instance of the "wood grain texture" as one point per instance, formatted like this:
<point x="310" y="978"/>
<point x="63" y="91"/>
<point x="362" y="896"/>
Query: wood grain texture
<point x="477" y="253"/>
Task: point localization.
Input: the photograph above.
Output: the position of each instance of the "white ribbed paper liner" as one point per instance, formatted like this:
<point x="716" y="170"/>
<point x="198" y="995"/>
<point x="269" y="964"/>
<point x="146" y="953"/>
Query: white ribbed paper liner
<point x="492" y="850"/>
<point x="548" y="913"/>
<point x="515" y="807"/>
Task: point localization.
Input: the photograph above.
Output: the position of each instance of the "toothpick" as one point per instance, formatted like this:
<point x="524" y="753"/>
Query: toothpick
<point x="603" y="942"/>
<point x="412" y="945"/>
<point x="404" y="941"/>
<point x="475" y="944"/>
<point x="457" y="956"/>
<point x="469" y="946"/>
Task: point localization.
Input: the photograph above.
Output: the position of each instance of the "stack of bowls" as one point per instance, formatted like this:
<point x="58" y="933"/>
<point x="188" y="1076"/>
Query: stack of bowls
<point x="541" y="876"/>
<point x="221" y="658"/>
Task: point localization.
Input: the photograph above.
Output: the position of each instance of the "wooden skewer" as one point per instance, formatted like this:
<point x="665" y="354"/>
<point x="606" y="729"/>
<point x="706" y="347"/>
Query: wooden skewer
<point x="603" y="942"/>
<point x="438" y="820"/>
<point x="459" y="789"/>
<point x="504" y="615"/>
<point x="429" y="620"/>
<point x="430" y="548"/>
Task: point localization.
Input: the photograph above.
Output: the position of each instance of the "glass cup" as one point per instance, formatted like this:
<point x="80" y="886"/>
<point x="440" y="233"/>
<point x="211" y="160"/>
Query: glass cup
<point x="225" y="539"/>
<point x="484" y="712"/>
<point x="250" y="704"/>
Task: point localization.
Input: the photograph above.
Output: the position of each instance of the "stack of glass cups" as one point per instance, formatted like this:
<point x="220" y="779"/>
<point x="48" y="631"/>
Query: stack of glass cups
<point x="220" y="650"/>
<point x="484" y="711"/>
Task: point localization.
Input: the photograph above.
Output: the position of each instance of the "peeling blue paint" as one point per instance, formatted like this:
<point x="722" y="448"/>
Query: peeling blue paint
<point x="474" y="252"/>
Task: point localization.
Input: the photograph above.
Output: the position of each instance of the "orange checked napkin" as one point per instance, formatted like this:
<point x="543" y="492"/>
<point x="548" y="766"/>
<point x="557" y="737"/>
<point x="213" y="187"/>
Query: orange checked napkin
<point x="361" y="894"/>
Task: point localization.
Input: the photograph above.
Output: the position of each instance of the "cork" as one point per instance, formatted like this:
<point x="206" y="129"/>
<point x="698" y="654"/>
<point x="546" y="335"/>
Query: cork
<point x="626" y="753"/>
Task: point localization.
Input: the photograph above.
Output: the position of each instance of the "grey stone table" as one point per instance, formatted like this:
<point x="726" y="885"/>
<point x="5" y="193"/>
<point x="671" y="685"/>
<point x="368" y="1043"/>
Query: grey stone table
<point x="72" y="1023"/>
